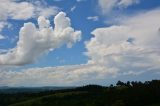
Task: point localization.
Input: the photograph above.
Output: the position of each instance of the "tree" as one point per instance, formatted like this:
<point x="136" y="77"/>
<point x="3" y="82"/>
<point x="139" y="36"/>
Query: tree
<point x="120" y="83"/>
<point x="128" y="83"/>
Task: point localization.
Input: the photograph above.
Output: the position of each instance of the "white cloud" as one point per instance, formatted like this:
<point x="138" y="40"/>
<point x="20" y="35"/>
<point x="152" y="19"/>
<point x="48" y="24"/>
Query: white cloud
<point x="34" y="42"/>
<point x="131" y="45"/>
<point x="46" y="11"/>
<point x="128" y="49"/>
<point x="3" y="51"/>
<point x="93" y="18"/>
<point x="3" y="25"/>
<point x="2" y="37"/>
<point x="13" y="10"/>
<point x="57" y="76"/>
<point x="126" y="3"/>
<point x="57" y="0"/>
<point x="73" y="8"/>
<point x="24" y="10"/>
<point x="80" y="0"/>
<point x="109" y="5"/>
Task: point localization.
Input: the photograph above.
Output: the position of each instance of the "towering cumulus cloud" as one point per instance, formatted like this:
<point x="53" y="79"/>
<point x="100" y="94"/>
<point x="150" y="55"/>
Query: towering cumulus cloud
<point x="130" y="47"/>
<point x="34" y="42"/>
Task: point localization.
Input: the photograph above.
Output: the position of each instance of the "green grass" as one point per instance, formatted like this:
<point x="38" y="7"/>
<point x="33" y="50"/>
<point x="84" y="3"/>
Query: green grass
<point x="41" y="100"/>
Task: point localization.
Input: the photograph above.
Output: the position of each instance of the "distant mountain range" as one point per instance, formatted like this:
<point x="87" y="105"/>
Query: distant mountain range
<point x="7" y="89"/>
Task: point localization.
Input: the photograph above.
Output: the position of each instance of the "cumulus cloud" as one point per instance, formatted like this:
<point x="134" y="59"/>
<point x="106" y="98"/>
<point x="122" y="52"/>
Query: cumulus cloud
<point x="128" y="49"/>
<point x="13" y="9"/>
<point x="93" y="18"/>
<point x="23" y="10"/>
<point x="34" y="42"/>
<point x="109" y="5"/>
<point x="133" y="45"/>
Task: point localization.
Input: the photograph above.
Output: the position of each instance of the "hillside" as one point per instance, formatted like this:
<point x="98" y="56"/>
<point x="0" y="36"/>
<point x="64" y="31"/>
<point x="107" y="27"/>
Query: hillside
<point x="123" y="94"/>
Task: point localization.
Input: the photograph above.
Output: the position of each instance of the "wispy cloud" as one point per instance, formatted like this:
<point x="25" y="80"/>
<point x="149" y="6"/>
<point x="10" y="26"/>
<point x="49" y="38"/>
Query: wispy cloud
<point x="93" y="18"/>
<point x="61" y="75"/>
<point x="108" y="5"/>
<point x="80" y="0"/>
<point x="73" y="8"/>
<point x="2" y="37"/>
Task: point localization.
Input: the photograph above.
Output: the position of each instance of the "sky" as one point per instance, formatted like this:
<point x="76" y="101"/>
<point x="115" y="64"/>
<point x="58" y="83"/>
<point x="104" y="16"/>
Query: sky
<point x="78" y="42"/>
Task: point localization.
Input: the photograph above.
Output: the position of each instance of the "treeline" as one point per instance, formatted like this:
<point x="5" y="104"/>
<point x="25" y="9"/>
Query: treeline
<point x="122" y="94"/>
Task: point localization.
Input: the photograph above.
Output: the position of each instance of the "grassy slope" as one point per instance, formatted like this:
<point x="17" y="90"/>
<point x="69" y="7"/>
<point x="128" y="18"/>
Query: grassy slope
<point x="71" y="98"/>
<point x="59" y="99"/>
<point x="137" y="94"/>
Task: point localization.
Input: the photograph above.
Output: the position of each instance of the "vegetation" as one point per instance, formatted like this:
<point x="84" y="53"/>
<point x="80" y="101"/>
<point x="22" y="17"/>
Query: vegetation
<point x="123" y="94"/>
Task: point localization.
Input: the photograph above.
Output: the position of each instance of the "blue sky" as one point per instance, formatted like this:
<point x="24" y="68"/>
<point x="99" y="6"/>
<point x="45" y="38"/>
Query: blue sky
<point x="119" y="41"/>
